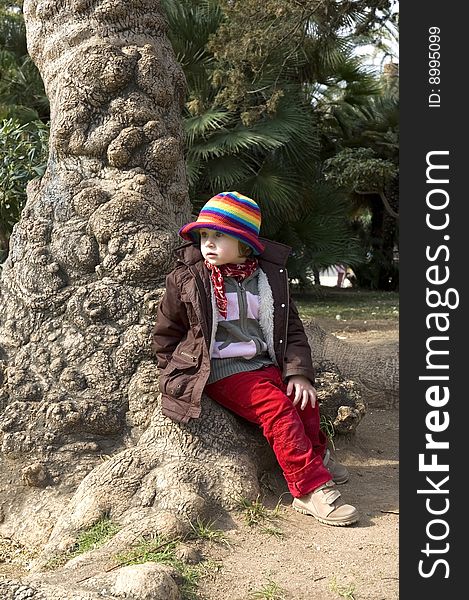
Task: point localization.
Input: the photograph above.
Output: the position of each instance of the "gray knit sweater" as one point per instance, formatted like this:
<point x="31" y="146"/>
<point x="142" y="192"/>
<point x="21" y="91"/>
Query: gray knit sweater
<point x="239" y="343"/>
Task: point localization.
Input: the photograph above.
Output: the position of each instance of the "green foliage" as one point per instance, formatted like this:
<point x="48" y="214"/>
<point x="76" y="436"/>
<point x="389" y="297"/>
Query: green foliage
<point x="12" y="27"/>
<point x="360" y="170"/>
<point x="263" y="43"/>
<point x="23" y="155"/>
<point x="162" y="550"/>
<point x="257" y="514"/>
<point x="373" y="124"/>
<point x="274" y="89"/>
<point x="22" y="94"/>
<point x="344" y="591"/>
<point x="266" y="144"/>
<point x="320" y="234"/>
<point x="91" y="538"/>
<point x="270" y="591"/>
<point x="349" y="303"/>
<point x="204" y="530"/>
<point x="157" y="549"/>
<point x="327" y="427"/>
<point x="361" y="155"/>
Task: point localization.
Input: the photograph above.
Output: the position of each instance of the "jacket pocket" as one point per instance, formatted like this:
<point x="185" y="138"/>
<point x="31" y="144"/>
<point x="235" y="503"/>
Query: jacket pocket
<point x="180" y="375"/>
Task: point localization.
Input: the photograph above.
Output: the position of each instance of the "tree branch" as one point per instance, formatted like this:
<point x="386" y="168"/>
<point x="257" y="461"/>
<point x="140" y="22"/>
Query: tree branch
<point x="387" y="206"/>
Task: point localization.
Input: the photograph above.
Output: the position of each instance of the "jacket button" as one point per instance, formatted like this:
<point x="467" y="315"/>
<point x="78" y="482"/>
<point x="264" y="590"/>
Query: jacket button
<point x="283" y="305"/>
<point x="280" y="342"/>
<point x="281" y="270"/>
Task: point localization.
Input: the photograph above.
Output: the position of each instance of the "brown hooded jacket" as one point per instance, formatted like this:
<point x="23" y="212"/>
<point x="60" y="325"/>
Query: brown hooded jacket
<point x="186" y="325"/>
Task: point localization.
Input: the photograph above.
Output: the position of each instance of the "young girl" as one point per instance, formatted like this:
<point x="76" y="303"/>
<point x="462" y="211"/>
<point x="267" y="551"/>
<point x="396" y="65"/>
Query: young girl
<point x="228" y="327"/>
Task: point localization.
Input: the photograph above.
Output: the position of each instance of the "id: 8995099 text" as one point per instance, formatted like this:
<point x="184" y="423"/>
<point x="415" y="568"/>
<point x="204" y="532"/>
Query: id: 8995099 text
<point x="434" y="73"/>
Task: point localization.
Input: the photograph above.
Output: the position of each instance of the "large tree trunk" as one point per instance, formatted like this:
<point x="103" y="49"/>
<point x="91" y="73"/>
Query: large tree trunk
<point x="80" y="290"/>
<point x="81" y="431"/>
<point x="373" y="372"/>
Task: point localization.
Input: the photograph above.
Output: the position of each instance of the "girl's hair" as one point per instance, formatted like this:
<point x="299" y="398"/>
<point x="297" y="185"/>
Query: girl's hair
<point x="244" y="249"/>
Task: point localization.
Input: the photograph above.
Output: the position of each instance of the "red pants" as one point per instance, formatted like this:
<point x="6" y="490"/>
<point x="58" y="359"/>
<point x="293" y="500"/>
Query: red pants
<point x="294" y="434"/>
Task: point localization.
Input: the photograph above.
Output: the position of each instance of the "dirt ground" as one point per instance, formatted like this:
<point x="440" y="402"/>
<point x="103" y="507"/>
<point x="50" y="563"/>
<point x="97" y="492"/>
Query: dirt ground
<point x="290" y="556"/>
<point x="306" y="560"/>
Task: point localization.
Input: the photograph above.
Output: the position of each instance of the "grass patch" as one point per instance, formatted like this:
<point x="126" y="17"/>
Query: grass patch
<point x="344" y="591"/>
<point x="162" y="550"/>
<point x="157" y="549"/>
<point x="89" y="539"/>
<point x="270" y="591"/>
<point x="273" y="531"/>
<point x="204" y="530"/>
<point x="96" y="536"/>
<point x="256" y="514"/>
<point x="192" y="574"/>
<point x="349" y="304"/>
<point x="327" y="427"/>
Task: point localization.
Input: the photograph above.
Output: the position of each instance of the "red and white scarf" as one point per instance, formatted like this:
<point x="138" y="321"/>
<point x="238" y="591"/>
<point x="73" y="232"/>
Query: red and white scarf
<point x="239" y="272"/>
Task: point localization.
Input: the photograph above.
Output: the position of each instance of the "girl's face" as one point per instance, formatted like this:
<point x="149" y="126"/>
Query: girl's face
<point x="219" y="248"/>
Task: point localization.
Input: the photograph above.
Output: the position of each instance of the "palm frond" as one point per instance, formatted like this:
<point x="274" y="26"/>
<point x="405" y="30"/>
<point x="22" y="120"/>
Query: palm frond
<point x="12" y="32"/>
<point x="321" y="233"/>
<point x="296" y="124"/>
<point x="279" y="193"/>
<point x="233" y="141"/>
<point x="190" y="27"/>
<point x="227" y="172"/>
<point x="202" y="125"/>
<point x="194" y="169"/>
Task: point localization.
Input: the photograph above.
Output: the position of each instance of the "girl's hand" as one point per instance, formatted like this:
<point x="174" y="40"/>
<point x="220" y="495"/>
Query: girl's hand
<point x="304" y="390"/>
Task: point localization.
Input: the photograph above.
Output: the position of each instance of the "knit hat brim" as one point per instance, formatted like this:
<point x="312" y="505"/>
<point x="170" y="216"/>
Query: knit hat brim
<point x="189" y="232"/>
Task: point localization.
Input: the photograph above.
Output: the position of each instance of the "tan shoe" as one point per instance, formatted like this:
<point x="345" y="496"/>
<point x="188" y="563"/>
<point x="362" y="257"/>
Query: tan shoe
<point x="326" y="505"/>
<point x="339" y="472"/>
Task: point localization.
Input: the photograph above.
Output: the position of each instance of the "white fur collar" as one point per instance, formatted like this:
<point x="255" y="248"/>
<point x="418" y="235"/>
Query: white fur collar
<point x="266" y="313"/>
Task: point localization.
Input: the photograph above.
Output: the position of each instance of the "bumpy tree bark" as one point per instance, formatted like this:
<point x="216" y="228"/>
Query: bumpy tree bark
<point x="80" y="290"/>
<point x="372" y="373"/>
<point x="81" y="431"/>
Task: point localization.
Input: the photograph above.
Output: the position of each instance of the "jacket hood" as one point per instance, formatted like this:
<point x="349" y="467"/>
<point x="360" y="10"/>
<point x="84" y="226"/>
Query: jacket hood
<point x="274" y="252"/>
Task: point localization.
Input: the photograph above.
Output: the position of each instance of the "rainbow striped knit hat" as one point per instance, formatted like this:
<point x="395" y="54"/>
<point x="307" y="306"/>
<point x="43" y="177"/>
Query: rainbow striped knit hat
<point x="231" y="213"/>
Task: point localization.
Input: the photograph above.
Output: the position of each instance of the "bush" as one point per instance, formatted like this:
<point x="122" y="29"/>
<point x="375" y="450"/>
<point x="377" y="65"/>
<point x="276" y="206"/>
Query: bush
<point x="23" y="156"/>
